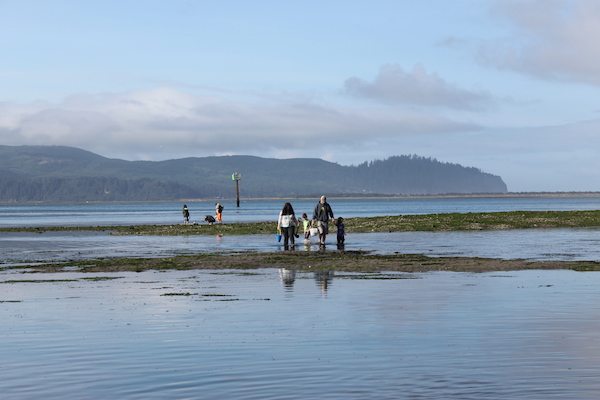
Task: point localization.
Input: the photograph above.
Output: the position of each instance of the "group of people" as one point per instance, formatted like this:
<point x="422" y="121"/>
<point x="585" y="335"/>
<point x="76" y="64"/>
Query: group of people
<point x="209" y="218"/>
<point x="288" y="224"/>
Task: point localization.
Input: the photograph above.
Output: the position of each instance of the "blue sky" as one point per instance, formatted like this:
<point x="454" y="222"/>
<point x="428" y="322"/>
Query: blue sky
<point x="510" y="87"/>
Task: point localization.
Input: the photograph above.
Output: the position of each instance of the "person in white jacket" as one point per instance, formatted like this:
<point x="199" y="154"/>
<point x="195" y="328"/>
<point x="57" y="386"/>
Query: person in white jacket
<point x="286" y="224"/>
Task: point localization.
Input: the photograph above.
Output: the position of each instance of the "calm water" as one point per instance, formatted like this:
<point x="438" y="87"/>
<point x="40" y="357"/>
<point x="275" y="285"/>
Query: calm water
<point x="270" y="334"/>
<point x="264" y="210"/>
<point x="276" y="335"/>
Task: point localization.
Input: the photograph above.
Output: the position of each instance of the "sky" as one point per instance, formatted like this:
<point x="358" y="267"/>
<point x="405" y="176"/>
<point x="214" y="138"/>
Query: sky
<point x="510" y="87"/>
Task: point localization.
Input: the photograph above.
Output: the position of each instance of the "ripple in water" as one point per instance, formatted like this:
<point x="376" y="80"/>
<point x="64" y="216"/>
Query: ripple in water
<point x="297" y="335"/>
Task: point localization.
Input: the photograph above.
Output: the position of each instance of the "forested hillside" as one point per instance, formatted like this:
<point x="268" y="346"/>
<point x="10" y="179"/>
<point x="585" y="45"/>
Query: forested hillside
<point x="55" y="173"/>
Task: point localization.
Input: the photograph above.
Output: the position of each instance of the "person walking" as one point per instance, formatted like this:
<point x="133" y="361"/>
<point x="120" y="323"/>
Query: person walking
<point x="322" y="214"/>
<point x="286" y="224"/>
<point x="186" y="214"/>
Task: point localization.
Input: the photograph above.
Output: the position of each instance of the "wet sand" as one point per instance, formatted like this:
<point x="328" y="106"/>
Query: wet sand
<point x="355" y="261"/>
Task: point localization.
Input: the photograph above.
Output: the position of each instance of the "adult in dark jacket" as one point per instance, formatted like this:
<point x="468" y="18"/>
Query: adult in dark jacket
<point x="322" y="214"/>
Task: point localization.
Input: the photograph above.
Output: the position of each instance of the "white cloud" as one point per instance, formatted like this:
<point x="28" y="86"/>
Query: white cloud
<point x="550" y="39"/>
<point x="167" y="123"/>
<point x="164" y="123"/>
<point x="417" y="87"/>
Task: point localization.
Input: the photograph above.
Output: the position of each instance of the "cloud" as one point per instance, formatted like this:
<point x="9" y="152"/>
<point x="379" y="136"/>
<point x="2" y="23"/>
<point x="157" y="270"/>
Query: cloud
<point x="550" y="39"/>
<point x="165" y="123"/>
<point x="417" y="87"/>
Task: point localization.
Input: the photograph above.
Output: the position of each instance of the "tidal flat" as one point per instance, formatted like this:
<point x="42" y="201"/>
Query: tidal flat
<point x="397" y="223"/>
<point x="363" y="259"/>
<point x="350" y="261"/>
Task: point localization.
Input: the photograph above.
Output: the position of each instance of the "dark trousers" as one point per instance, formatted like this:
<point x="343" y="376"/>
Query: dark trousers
<point x="288" y="235"/>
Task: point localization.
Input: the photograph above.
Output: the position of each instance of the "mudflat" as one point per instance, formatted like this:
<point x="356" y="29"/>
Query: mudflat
<point x="355" y="261"/>
<point x="337" y="260"/>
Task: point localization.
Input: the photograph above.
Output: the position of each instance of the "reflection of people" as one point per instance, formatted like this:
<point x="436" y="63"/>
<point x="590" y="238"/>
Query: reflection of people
<point x="322" y="214"/>
<point x="288" y="276"/>
<point x="324" y="279"/>
<point x="286" y="224"/>
<point x="186" y="214"/>
<point x="219" y="212"/>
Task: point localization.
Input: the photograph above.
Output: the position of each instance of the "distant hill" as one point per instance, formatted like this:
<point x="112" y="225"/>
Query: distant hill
<point x="57" y="173"/>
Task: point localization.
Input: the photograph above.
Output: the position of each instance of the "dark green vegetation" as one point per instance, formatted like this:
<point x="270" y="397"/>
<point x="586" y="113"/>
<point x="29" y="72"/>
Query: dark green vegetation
<point x="399" y="223"/>
<point x="54" y="173"/>
<point x="314" y="261"/>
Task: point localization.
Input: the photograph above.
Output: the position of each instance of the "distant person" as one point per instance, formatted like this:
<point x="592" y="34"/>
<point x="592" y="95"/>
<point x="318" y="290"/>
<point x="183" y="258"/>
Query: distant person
<point x="210" y="219"/>
<point x="219" y="212"/>
<point x="341" y="231"/>
<point x="322" y="214"/>
<point x="286" y="224"/>
<point x="186" y="214"/>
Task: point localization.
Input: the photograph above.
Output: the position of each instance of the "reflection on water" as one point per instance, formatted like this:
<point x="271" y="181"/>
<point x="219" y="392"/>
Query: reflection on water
<point x="323" y="279"/>
<point x="244" y="335"/>
<point x="288" y="276"/>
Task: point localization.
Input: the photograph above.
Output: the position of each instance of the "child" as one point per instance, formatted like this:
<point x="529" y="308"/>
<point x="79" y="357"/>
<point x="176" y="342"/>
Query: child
<point x="341" y="232"/>
<point x="219" y="212"/>
<point x="306" y="226"/>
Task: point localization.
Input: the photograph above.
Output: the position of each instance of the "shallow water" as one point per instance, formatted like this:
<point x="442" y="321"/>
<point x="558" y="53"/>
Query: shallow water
<point x="523" y="335"/>
<point x="533" y="244"/>
<point x="93" y="214"/>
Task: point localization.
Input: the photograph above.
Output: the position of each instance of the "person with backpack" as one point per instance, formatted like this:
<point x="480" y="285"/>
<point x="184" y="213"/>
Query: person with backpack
<point x="322" y="214"/>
